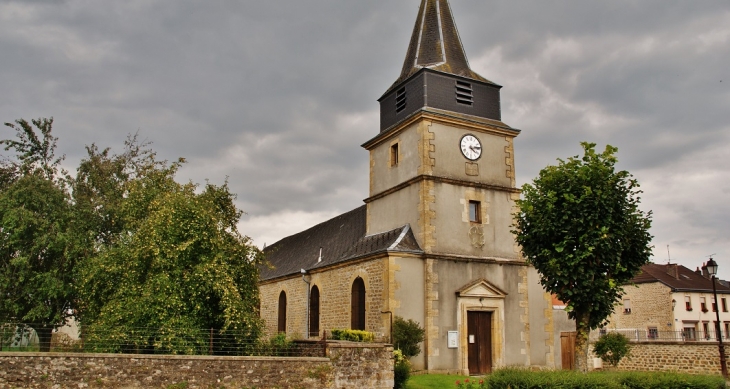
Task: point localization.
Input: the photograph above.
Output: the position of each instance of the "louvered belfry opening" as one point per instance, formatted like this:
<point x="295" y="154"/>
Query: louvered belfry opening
<point x="282" y="312"/>
<point x="314" y="312"/>
<point x="357" y="305"/>
<point x="464" y="93"/>
<point x="400" y="100"/>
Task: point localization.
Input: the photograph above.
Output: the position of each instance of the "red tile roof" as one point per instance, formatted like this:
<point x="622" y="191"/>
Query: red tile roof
<point x="677" y="277"/>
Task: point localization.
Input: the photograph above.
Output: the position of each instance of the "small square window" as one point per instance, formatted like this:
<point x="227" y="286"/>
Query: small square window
<point x="394" y="155"/>
<point x="475" y="211"/>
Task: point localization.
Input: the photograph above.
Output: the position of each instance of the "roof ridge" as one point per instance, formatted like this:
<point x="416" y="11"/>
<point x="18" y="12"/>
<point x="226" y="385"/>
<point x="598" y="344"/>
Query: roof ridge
<point x="383" y="232"/>
<point x="402" y="235"/>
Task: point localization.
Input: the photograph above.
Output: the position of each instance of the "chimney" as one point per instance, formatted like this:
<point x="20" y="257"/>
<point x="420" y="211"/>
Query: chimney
<point x="705" y="273"/>
<point x="673" y="270"/>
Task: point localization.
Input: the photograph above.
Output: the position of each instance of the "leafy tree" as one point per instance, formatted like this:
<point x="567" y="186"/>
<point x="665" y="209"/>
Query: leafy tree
<point x="101" y="185"/>
<point x="579" y="224"/>
<point x="168" y="261"/>
<point x="407" y="334"/>
<point x="612" y="348"/>
<point x="135" y="254"/>
<point x="35" y="152"/>
<point x="35" y="272"/>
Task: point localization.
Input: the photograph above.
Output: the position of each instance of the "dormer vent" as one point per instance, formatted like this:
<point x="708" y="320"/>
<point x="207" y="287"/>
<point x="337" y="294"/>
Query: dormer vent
<point x="464" y="94"/>
<point x="400" y="100"/>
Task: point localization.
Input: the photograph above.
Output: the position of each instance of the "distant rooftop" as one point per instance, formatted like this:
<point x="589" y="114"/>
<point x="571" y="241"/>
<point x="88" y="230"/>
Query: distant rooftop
<point x="679" y="278"/>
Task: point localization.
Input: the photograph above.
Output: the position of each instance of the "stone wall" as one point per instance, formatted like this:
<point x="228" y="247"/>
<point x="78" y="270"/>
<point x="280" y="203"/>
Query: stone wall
<point x="335" y="288"/>
<point x="356" y="366"/>
<point x="350" y="365"/>
<point x="651" y="306"/>
<point x="693" y="358"/>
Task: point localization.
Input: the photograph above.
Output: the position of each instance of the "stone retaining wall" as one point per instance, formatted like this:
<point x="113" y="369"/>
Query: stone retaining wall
<point x="361" y="367"/>
<point x="348" y="365"/>
<point x="693" y="358"/>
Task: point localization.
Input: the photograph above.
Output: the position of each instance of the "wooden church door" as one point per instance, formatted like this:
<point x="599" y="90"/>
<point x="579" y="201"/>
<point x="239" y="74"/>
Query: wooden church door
<point x="479" y="339"/>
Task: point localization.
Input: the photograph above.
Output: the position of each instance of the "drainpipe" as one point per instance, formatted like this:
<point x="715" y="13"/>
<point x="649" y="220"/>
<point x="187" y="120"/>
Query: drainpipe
<point x="306" y="318"/>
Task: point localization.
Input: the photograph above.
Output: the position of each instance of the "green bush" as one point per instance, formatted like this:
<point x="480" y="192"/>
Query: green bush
<point x="407" y="334"/>
<point x="401" y="370"/>
<point x="277" y="345"/>
<point x="353" y="335"/>
<point x="612" y="348"/>
<point x="515" y="378"/>
<point x="668" y="380"/>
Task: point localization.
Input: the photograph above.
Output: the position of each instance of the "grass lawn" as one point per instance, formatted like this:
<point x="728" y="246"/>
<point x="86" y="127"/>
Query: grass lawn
<point x="435" y="381"/>
<point x="506" y="378"/>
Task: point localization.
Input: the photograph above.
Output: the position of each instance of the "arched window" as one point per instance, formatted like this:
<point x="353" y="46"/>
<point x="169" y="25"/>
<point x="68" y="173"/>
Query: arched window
<point x="282" y="312"/>
<point x="357" y="306"/>
<point x="314" y="312"/>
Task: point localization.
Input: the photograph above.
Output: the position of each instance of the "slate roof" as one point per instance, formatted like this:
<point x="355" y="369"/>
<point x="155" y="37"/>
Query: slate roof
<point x="435" y="44"/>
<point x="685" y="280"/>
<point x="341" y="238"/>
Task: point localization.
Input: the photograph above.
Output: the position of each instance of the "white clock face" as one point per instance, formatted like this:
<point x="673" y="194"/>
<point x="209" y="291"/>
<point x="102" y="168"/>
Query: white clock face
<point x="471" y="147"/>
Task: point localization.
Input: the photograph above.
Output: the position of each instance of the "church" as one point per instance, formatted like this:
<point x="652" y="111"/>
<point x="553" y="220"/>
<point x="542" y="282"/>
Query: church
<point x="433" y="240"/>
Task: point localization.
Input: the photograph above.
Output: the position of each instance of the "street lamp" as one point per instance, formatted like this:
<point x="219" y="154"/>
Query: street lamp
<point x="712" y="269"/>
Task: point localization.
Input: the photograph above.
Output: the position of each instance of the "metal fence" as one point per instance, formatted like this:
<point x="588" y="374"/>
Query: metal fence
<point x="649" y="335"/>
<point x="170" y="341"/>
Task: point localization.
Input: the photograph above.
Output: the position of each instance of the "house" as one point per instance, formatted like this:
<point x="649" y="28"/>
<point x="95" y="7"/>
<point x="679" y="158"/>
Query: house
<point x="433" y="240"/>
<point x="673" y="303"/>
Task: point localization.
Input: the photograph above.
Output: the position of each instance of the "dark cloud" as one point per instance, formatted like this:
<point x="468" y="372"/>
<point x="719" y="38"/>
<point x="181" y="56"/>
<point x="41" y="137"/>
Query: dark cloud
<point x="278" y="95"/>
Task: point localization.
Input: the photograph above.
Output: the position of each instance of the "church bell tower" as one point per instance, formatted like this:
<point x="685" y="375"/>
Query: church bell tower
<point x="443" y="160"/>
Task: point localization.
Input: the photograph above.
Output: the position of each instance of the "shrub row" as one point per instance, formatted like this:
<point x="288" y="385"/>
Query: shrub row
<point x="353" y="335"/>
<point x="525" y="379"/>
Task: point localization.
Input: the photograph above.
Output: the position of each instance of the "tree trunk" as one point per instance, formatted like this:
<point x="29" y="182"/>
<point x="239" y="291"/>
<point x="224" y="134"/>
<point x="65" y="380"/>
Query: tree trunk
<point x="581" y="341"/>
<point x="44" y="338"/>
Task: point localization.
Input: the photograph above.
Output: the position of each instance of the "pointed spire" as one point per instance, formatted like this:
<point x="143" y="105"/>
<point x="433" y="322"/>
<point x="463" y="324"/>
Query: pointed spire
<point x="436" y="74"/>
<point x="435" y="43"/>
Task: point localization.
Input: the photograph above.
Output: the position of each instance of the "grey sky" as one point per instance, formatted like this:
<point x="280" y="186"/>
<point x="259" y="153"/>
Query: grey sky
<point x="278" y="95"/>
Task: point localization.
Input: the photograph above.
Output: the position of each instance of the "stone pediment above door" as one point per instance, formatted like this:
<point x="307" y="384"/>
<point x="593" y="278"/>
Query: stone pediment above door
<point x="481" y="288"/>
